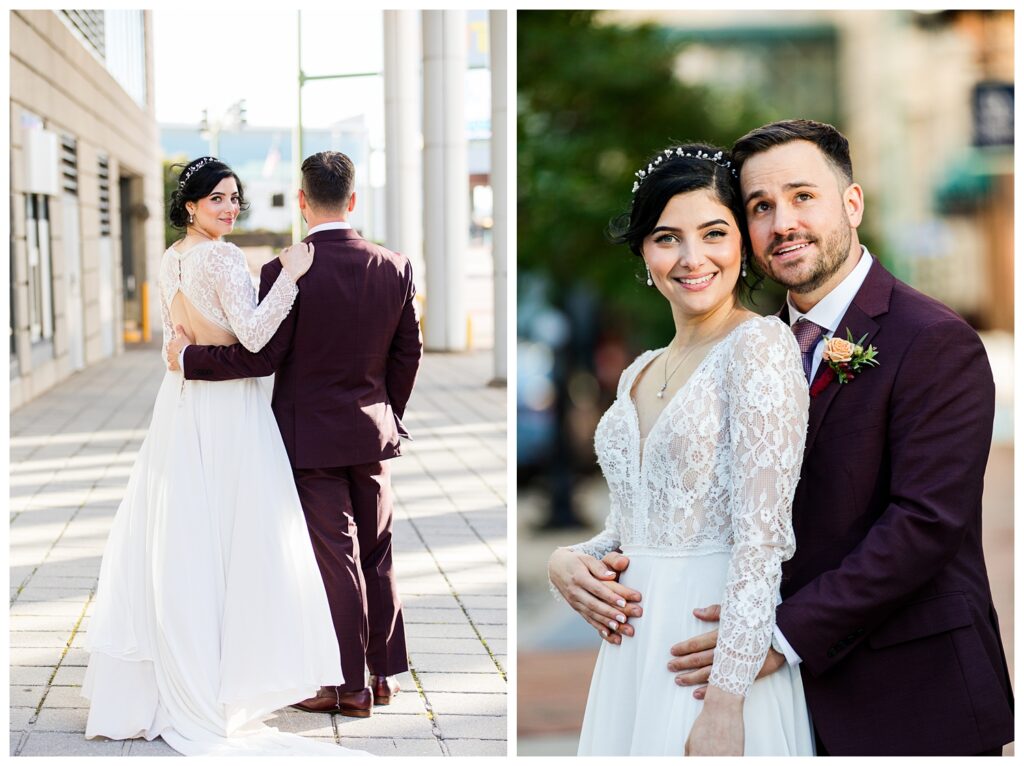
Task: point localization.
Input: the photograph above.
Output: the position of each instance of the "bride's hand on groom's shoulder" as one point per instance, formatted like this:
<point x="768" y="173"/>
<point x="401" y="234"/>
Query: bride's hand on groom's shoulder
<point x="589" y="587"/>
<point x="297" y="259"/>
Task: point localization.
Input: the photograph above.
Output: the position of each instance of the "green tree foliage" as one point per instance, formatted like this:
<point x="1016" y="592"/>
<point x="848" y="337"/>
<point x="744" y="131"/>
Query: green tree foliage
<point x="594" y="101"/>
<point x="171" y="235"/>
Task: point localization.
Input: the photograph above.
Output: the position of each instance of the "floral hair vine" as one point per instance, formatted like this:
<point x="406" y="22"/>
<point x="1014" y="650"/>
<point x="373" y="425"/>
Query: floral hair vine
<point x="187" y="173"/>
<point x="715" y="158"/>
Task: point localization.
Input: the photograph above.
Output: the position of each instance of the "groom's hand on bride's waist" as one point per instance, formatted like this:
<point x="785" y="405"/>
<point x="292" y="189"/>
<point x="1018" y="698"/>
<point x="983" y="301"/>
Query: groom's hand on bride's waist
<point x="692" y="658"/>
<point x="175" y="346"/>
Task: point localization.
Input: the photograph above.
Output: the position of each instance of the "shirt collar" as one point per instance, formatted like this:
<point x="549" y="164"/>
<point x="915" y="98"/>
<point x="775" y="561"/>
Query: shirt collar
<point x="330" y="226"/>
<point x="829" y="311"/>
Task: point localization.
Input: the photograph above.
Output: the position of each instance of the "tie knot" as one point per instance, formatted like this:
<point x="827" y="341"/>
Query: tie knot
<point x="807" y="334"/>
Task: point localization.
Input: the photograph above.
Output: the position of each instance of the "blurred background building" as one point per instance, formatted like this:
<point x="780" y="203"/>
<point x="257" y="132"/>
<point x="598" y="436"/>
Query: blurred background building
<point x="86" y="195"/>
<point x="926" y="100"/>
<point x="91" y="165"/>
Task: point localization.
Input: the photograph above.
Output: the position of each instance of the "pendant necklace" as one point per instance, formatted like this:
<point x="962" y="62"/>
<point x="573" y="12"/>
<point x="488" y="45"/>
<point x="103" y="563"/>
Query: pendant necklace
<point x="668" y="376"/>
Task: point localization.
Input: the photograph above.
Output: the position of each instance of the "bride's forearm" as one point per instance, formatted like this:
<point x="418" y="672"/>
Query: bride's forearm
<point x="722" y="701"/>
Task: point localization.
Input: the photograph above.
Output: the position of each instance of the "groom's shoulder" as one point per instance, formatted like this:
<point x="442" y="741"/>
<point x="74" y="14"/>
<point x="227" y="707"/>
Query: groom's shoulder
<point x="271" y="268"/>
<point x="914" y="309"/>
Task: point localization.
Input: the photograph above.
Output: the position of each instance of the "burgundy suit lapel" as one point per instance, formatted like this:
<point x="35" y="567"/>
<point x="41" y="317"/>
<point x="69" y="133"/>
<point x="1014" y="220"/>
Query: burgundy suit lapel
<point x="859" y="324"/>
<point x="871" y="300"/>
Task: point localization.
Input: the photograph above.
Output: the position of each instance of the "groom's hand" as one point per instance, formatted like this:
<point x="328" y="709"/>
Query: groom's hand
<point x="174" y="347"/>
<point x="692" y="658"/>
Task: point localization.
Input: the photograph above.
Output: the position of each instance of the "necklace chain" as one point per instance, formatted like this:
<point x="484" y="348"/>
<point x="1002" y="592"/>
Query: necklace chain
<point x="668" y="376"/>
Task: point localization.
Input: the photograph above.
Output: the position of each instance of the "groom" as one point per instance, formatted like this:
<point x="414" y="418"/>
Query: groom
<point x="346" y="358"/>
<point x="886" y="604"/>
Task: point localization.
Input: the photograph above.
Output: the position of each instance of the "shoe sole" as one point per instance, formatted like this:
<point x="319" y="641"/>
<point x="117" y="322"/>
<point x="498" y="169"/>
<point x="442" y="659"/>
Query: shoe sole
<point x="349" y="713"/>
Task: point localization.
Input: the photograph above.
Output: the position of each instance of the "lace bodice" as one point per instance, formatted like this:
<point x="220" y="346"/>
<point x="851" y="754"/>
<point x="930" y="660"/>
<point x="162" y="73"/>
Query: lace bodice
<point x="717" y="472"/>
<point x="215" y="278"/>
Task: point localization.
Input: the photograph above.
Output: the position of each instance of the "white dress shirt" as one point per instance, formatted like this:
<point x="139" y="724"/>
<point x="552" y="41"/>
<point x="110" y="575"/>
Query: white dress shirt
<point x="827" y="314"/>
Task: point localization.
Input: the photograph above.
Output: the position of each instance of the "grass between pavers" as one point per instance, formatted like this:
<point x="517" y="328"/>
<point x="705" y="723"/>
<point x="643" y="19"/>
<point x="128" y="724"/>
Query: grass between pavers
<point x="67" y="648"/>
<point x="434" y="728"/>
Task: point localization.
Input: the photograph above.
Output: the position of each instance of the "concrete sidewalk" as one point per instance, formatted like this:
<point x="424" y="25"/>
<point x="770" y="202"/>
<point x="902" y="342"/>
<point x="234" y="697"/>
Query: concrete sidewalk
<point x="71" y="453"/>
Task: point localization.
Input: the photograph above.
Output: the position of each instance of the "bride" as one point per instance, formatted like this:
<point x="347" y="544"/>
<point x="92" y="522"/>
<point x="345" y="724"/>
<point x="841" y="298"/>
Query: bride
<point x="701" y="451"/>
<point x="210" y="610"/>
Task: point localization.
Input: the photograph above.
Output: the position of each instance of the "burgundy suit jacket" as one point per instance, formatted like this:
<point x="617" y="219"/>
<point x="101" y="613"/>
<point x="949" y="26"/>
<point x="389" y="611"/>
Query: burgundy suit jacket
<point x="346" y="355"/>
<point x="887" y="599"/>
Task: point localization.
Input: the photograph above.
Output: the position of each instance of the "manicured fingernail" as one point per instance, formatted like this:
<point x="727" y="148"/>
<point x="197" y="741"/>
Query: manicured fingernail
<point x="612" y="624"/>
<point x="621" y="603"/>
<point x="609" y="573"/>
<point x="604" y="633"/>
<point x="620" y="617"/>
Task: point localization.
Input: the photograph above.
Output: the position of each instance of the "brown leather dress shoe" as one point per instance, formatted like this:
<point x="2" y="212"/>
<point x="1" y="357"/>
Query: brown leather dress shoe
<point x="384" y="688"/>
<point x="357" y="704"/>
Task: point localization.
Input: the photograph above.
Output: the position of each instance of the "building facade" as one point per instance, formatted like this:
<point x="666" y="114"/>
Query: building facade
<point x="86" y="192"/>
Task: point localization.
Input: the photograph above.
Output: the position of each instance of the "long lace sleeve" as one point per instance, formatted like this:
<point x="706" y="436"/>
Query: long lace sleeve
<point x="768" y="403"/>
<point x="253" y="322"/>
<point x="607" y="540"/>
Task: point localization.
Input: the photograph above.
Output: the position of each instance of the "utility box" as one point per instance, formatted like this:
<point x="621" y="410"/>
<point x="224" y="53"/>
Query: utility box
<point x="42" y="162"/>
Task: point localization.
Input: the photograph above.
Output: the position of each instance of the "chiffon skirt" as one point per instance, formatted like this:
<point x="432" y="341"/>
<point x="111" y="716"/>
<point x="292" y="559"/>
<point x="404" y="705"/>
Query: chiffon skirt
<point x="210" y="612"/>
<point x="635" y="706"/>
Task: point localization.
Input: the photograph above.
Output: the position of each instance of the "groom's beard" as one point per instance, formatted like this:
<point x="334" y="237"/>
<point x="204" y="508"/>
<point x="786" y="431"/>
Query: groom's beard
<point x="833" y="252"/>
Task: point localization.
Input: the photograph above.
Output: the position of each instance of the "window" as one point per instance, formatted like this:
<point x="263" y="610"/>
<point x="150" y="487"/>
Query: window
<point x="69" y="164"/>
<point x="40" y="281"/>
<point x="118" y="39"/>
<point x="104" y="172"/>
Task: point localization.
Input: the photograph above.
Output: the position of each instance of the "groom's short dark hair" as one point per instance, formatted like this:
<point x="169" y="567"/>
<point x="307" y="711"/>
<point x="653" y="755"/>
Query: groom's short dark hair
<point x="830" y="141"/>
<point x="328" y="179"/>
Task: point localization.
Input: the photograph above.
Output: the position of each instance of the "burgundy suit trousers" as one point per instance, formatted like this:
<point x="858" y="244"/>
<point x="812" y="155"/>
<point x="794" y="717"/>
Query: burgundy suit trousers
<point x="349" y="515"/>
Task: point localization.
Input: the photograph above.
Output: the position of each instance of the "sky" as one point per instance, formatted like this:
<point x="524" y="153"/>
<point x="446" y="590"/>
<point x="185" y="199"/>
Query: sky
<point x="253" y="56"/>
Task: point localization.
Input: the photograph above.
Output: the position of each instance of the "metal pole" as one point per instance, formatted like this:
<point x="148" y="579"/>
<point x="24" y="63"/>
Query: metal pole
<point x="297" y="143"/>
<point x="499" y="172"/>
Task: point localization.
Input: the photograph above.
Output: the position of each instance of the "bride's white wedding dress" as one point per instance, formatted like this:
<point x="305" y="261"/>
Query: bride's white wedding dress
<point x="210" y="611"/>
<point x="702" y="508"/>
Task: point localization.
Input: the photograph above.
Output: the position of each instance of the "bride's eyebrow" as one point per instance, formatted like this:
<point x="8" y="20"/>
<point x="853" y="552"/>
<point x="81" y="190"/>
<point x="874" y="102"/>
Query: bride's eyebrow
<point x="716" y="222"/>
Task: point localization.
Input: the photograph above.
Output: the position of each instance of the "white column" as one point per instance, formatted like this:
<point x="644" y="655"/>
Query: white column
<point x="499" y="186"/>
<point x="404" y="189"/>
<point x="445" y="179"/>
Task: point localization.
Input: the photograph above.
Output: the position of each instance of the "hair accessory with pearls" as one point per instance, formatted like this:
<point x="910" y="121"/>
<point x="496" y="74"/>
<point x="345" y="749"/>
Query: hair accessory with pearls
<point x="192" y="168"/>
<point x="678" y="152"/>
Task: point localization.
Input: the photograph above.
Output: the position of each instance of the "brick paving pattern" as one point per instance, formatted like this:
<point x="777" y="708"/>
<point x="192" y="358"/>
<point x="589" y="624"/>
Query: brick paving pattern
<point x="71" y="452"/>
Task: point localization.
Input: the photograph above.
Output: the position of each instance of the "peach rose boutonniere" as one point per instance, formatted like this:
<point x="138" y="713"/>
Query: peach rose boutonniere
<point x="848" y="357"/>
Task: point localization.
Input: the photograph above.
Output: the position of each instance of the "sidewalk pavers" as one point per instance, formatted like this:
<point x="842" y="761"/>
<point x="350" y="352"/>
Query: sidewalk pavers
<point x="71" y="453"/>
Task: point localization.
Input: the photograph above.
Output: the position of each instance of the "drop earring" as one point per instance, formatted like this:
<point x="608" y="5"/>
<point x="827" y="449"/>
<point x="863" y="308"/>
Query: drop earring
<point x="743" y="267"/>
<point x="190" y="218"/>
<point x="650" y="282"/>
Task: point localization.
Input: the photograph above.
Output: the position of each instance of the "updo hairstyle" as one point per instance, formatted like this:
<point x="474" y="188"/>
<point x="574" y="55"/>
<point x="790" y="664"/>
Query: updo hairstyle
<point x="200" y="177"/>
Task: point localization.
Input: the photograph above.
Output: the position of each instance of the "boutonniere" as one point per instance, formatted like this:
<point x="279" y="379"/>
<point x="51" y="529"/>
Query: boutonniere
<point x="846" y="358"/>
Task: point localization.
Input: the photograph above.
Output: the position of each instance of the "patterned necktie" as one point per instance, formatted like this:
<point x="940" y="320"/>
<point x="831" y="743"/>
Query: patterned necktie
<point x="807" y="336"/>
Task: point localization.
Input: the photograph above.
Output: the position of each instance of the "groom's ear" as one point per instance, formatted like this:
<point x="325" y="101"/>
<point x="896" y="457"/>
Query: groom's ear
<point x="352" y="202"/>
<point x="853" y="203"/>
<point x="302" y="200"/>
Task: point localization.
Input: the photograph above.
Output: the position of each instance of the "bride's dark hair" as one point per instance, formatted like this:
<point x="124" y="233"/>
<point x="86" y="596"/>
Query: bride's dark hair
<point x="678" y="169"/>
<point x="196" y="180"/>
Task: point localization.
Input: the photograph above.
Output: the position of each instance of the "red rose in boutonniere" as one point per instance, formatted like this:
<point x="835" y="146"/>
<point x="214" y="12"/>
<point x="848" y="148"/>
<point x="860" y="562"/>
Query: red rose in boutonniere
<point x="847" y="357"/>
